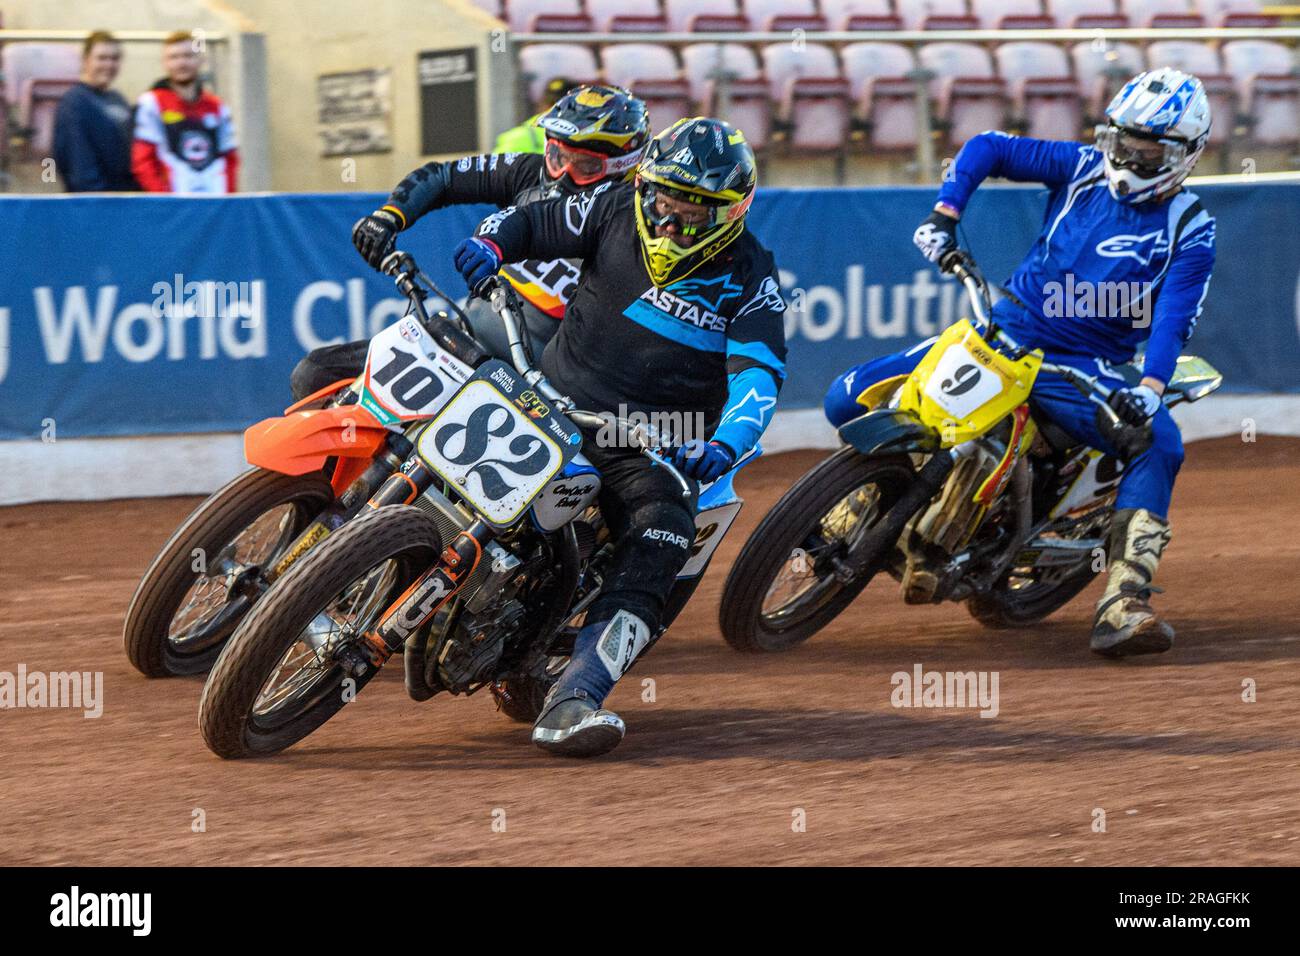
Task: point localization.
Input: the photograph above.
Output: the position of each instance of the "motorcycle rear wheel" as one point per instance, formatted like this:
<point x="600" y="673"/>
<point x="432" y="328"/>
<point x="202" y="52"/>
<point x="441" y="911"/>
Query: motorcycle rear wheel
<point x="251" y="521"/>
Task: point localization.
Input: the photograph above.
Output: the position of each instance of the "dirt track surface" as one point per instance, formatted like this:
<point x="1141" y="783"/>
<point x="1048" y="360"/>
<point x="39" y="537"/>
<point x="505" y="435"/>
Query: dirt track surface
<point x="714" y="770"/>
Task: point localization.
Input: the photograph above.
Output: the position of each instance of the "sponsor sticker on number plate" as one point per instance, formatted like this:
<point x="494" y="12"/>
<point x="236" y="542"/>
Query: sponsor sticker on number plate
<point x="498" y="443"/>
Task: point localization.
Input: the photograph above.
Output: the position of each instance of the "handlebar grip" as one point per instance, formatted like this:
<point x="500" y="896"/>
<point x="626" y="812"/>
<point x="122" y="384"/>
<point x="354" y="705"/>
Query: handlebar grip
<point x="956" y="261"/>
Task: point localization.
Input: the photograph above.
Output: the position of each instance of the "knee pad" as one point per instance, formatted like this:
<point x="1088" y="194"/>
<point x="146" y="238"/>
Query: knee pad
<point x="1167" y="440"/>
<point x="647" y="559"/>
<point x="841" y="402"/>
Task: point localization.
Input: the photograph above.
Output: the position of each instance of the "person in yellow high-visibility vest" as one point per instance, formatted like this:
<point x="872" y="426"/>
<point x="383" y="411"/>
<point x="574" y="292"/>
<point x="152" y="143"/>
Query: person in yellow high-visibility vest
<point x="528" y="137"/>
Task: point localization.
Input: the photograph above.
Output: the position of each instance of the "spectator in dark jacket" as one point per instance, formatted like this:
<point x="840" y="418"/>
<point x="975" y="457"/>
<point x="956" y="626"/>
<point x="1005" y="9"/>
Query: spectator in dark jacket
<point x="92" y="127"/>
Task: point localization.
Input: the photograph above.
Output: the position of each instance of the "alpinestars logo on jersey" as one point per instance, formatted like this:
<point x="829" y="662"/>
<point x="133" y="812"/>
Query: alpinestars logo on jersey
<point x="1142" y="248"/>
<point x="681" y="308"/>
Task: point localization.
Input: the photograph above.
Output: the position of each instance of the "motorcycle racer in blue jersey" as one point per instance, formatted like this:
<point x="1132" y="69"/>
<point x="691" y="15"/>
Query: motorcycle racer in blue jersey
<point x="1124" y="258"/>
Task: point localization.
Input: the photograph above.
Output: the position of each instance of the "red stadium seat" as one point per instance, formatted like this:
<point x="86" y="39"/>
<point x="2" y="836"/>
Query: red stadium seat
<point x="1268" y="89"/>
<point x="775" y="16"/>
<point x="969" y="97"/>
<point x="36" y="75"/>
<point x="884" y="96"/>
<point x="748" y="105"/>
<point x="651" y="72"/>
<point x="624" y="16"/>
<point x="1101" y="70"/>
<point x="1192" y="56"/>
<point x="861" y="15"/>
<point x="539" y="63"/>
<point x="936" y="15"/>
<point x="681" y="12"/>
<point x="1044" y="94"/>
<point x="522" y="15"/>
<point x="1012" y="15"/>
<point x="805" y="81"/>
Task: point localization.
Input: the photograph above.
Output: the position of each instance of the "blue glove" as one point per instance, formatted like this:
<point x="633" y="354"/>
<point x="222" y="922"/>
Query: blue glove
<point x="703" y="461"/>
<point x="477" y="260"/>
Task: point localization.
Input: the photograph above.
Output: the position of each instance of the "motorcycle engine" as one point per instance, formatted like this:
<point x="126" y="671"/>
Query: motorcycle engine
<point x="947" y="525"/>
<point x="468" y="656"/>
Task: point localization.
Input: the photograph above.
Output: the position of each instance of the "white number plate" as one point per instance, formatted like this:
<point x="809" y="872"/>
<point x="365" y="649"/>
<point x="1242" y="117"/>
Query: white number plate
<point x="959" y="384"/>
<point x="408" y="376"/>
<point x="495" y="456"/>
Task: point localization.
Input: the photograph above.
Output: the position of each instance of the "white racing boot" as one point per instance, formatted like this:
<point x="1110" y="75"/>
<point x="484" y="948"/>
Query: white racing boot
<point x="1125" y="623"/>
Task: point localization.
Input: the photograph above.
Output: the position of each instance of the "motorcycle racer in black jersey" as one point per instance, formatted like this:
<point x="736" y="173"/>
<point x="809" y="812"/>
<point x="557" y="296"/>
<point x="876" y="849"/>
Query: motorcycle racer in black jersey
<point x="677" y="314"/>
<point x="594" y="134"/>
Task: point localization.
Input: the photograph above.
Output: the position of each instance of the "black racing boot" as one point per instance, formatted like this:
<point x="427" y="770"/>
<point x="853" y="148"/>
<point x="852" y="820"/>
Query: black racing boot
<point x="572" y="722"/>
<point x="575" y="727"/>
<point x="1125" y="623"/>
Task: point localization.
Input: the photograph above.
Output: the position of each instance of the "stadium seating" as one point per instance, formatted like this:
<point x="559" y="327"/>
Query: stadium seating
<point x="811" y="96"/>
<point x="36" y="75"/>
<point x="652" y="73"/>
<point x="861" y="15"/>
<point x="540" y="16"/>
<point x="539" y="63"/>
<point x="1268" y="88"/>
<point x="748" y="104"/>
<point x="969" y="97"/>
<point x="778" y="15"/>
<point x="1012" y="15"/>
<point x="683" y="15"/>
<point x="884" y="97"/>
<point x="1100" y="71"/>
<point x="814" y="97"/>
<point x="1087" y="14"/>
<point x="1193" y="57"/>
<point x="627" y="16"/>
<point x="1045" y="99"/>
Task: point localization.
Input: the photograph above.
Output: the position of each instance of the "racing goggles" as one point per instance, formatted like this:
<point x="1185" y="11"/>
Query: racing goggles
<point x="585" y="166"/>
<point x="662" y="207"/>
<point x="1144" y="154"/>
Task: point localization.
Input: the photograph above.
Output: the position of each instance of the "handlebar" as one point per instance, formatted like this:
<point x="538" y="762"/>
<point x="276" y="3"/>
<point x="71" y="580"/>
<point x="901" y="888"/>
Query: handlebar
<point x="959" y="263"/>
<point x="408" y="278"/>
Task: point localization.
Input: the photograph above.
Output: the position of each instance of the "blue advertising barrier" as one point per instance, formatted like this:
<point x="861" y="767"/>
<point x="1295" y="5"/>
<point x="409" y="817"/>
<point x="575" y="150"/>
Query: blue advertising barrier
<point x="156" y="314"/>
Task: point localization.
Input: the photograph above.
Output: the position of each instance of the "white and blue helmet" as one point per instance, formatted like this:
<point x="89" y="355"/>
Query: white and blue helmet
<point x="1156" y="130"/>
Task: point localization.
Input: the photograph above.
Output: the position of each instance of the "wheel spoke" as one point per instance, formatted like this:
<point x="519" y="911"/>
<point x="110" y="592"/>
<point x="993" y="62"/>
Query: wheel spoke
<point x="303" y="666"/>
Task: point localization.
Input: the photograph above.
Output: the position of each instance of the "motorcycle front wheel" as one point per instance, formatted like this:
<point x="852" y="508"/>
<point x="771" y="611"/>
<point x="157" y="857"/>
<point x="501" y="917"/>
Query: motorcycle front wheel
<point x="788" y="581"/>
<point x="279" y="679"/>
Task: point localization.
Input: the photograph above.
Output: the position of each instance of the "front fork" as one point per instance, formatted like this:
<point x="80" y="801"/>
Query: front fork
<point x="432" y="589"/>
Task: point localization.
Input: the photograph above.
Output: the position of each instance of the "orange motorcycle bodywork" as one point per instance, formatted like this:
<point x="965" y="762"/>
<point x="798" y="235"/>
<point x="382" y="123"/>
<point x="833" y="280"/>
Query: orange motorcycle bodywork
<point x="301" y="441"/>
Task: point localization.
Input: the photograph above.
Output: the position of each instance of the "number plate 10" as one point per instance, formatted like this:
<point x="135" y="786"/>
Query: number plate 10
<point x="498" y="443"/>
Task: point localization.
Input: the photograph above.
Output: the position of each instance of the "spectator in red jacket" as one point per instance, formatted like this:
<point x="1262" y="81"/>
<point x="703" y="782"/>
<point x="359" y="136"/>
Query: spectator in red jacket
<point x="184" y="138"/>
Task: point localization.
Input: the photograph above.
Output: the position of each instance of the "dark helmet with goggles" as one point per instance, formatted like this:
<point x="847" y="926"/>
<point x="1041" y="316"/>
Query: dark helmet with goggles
<point x="594" y="133"/>
<point x="694" y="187"/>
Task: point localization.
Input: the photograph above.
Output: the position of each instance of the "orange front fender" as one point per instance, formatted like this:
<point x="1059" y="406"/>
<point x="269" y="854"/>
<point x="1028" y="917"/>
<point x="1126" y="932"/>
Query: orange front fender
<point x="302" y="441"/>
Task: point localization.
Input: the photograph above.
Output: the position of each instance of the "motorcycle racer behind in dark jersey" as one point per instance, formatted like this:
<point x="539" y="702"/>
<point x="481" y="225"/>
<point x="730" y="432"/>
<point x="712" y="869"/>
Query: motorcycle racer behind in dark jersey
<point x="678" y="315"/>
<point x="594" y="134"/>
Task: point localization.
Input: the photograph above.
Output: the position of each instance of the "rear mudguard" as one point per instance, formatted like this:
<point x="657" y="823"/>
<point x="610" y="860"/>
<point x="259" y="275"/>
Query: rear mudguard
<point x="302" y="441"/>
<point x="888" y="431"/>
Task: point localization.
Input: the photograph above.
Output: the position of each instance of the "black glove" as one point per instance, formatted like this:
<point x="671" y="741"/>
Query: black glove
<point x="1136" y="405"/>
<point x="936" y="236"/>
<point x="374" y="236"/>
